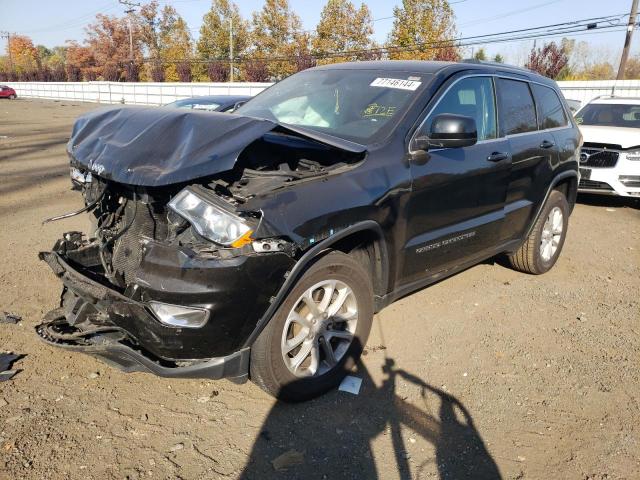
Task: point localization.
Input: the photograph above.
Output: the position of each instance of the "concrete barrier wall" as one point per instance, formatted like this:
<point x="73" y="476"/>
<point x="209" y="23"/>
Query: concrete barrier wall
<point x="130" y="93"/>
<point x="161" y="93"/>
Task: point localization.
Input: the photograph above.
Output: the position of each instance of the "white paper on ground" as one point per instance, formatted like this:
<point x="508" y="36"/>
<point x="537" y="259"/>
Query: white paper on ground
<point x="350" y="385"/>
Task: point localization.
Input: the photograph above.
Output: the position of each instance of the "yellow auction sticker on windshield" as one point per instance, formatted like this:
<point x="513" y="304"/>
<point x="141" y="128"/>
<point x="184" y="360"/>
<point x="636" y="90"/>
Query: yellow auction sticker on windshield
<point x="396" y="83"/>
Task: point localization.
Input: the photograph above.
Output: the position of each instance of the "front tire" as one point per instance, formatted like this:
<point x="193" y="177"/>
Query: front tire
<point x="318" y="333"/>
<point x="541" y="249"/>
<point x="12" y="97"/>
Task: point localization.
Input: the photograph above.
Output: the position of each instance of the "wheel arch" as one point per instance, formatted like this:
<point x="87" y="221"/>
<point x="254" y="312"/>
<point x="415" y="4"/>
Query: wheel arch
<point x="364" y="237"/>
<point x="569" y="187"/>
<point x="568" y="180"/>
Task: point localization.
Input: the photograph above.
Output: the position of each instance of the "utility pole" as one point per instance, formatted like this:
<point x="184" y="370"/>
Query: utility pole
<point x="231" y="49"/>
<point x="627" y="41"/>
<point x="7" y="35"/>
<point x="129" y="11"/>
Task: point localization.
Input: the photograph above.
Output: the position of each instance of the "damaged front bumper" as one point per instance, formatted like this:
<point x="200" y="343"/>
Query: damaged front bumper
<point x="120" y="328"/>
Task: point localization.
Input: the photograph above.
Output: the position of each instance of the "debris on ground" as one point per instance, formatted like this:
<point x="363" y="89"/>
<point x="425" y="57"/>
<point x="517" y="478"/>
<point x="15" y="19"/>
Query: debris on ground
<point x="287" y="459"/>
<point x="350" y="384"/>
<point x="6" y="317"/>
<point x="6" y="361"/>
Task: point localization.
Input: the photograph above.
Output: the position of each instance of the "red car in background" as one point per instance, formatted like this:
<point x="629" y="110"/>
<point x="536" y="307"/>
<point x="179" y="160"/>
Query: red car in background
<point x="7" y="92"/>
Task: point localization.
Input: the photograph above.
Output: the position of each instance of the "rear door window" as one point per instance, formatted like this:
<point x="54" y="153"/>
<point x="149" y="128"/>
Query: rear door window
<point x="516" y="107"/>
<point x="550" y="111"/>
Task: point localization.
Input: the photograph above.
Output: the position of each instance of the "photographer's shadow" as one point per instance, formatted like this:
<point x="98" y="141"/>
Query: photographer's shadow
<point x="331" y="437"/>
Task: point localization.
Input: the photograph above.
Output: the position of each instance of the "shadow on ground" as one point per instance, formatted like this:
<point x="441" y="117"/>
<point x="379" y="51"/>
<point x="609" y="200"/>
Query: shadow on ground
<point x="331" y="437"/>
<point x="612" y="201"/>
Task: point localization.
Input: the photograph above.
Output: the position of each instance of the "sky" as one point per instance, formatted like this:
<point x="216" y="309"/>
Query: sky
<point x="52" y="23"/>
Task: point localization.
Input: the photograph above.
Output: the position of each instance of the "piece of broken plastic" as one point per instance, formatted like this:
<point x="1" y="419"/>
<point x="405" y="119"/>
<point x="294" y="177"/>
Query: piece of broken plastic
<point x="6" y="317"/>
<point x="350" y="384"/>
<point x="6" y="361"/>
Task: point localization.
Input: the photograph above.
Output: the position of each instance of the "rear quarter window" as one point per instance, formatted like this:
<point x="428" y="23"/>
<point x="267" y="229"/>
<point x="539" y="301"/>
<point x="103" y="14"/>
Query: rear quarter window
<point x="550" y="111"/>
<point x="517" y="110"/>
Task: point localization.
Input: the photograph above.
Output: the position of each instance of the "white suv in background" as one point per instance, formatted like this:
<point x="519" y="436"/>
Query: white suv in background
<point x="610" y="156"/>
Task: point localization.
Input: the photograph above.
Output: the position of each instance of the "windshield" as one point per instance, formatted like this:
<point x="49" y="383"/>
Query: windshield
<point x="357" y="105"/>
<point x="610" y="115"/>
<point x="194" y="104"/>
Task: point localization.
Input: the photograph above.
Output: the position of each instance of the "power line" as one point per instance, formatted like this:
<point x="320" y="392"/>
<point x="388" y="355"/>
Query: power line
<point x="574" y="28"/>
<point x="509" y="14"/>
<point x="74" y="22"/>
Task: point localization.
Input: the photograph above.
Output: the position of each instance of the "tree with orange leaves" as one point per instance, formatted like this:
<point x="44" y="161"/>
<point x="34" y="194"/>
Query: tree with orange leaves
<point x="108" y="40"/>
<point x="80" y="63"/>
<point x="23" y="55"/>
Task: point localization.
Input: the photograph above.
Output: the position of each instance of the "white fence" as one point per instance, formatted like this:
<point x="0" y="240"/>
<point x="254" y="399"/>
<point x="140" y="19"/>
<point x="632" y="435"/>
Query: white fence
<point x="161" y="93"/>
<point x="130" y="93"/>
<point x="589" y="89"/>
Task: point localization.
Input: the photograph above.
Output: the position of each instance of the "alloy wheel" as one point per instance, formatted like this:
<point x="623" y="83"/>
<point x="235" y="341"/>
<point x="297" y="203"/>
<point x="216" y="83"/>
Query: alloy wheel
<point x="551" y="234"/>
<point x="319" y="328"/>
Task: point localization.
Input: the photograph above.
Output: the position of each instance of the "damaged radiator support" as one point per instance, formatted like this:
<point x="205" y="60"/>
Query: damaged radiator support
<point x="140" y="220"/>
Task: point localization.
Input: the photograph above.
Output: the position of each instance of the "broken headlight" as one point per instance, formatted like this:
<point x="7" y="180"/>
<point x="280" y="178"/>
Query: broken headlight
<point x="211" y="221"/>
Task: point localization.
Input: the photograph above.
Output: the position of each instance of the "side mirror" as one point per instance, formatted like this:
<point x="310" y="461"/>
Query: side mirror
<point x="448" y="131"/>
<point x="237" y="106"/>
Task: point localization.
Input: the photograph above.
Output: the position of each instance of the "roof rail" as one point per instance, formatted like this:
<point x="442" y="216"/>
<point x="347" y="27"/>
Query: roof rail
<point x="495" y="64"/>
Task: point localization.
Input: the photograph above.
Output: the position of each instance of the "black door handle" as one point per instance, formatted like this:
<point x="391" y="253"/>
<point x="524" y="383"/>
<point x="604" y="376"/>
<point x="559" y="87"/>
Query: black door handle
<point x="547" y="144"/>
<point x="497" y="156"/>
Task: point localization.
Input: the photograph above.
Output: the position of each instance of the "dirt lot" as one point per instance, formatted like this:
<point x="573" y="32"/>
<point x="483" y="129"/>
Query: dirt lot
<point x="490" y="374"/>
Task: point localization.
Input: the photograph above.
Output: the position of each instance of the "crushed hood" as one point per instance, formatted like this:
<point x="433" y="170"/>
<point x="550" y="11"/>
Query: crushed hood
<point x="625" y="137"/>
<point x="160" y="146"/>
<point x="151" y="146"/>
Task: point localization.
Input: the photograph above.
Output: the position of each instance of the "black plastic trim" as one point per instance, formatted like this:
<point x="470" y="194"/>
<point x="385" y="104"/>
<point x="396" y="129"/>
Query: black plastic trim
<point x="234" y="367"/>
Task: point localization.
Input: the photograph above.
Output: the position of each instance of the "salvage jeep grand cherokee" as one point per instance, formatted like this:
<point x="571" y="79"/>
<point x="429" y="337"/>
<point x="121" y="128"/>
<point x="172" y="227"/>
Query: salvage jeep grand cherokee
<point x="259" y="244"/>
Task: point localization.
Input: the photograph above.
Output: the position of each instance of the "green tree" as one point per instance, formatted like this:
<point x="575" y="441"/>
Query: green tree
<point x="480" y="55"/>
<point x="421" y="25"/>
<point x="167" y="40"/>
<point x="342" y="27"/>
<point x="214" y="41"/>
<point x="277" y="34"/>
<point x="498" y="58"/>
<point x="178" y="49"/>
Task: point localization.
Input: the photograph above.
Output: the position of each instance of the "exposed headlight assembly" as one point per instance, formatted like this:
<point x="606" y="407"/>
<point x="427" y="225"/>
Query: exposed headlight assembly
<point x="633" y="155"/>
<point x="211" y="221"/>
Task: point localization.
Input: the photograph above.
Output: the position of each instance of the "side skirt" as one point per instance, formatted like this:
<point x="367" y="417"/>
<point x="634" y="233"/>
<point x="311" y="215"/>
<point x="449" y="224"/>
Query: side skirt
<point x="412" y="287"/>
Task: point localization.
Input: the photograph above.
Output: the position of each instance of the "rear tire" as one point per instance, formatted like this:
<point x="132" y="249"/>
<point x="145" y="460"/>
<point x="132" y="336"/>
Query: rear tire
<point x="541" y="249"/>
<point x="280" y="372"/>
<point x="12" y="97"/>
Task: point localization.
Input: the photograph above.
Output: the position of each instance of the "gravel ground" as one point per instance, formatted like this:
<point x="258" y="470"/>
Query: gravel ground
<point x="489" y="374"/>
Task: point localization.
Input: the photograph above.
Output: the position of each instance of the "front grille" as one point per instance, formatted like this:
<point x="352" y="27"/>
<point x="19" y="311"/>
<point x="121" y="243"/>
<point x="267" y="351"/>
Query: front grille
<point x="598" y="158"/>
<point x="593" y="185"/>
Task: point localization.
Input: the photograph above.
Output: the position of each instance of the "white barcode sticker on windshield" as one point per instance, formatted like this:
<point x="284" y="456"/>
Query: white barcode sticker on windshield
<point x="396" y="83"/>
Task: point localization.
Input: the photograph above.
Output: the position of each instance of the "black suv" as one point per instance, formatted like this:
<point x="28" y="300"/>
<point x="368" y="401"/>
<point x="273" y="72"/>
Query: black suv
<point x="260" y="244"/>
